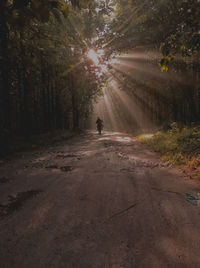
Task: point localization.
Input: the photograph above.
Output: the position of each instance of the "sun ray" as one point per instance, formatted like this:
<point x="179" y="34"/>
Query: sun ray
<point x="93" y="56"/>
<point x="121" y="112"/>
<point x="148" y="78"/>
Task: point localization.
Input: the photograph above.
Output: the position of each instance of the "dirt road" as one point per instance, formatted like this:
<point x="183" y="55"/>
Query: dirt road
<point x="96" y="202"/>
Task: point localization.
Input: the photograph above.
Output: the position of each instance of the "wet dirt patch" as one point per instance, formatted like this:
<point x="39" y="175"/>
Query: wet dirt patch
<point x="112" y="143"/>
<point x="4" y="180"/>
<point x="37" y="165"/>
<point x="16" y="202"/>
<point x="139" y="163"/>
<point x="52" y="167"/>
<point x="108" y="144"/>
<point x="67" y="155"/>
<point x="143" y="164"/>
<point x="67" y="168"/>
<point x="116" y="144"/>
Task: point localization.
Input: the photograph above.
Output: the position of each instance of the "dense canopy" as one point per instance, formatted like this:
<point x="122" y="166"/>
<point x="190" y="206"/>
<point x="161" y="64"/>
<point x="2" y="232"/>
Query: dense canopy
<point x="48" y="81"/>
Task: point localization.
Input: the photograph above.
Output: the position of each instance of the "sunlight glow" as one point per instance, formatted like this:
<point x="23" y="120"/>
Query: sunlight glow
<point x="146" y="136"/>
<point x="114" y="61"/>
<point x="124" y="139"/>
<point x="121" y="112"/>
<point x="100" y="52"/>
<point x="104" y="68"/>
<point x="119" y="138"/>
<point x="96" y="57"/>
<point x="93" y="56"/>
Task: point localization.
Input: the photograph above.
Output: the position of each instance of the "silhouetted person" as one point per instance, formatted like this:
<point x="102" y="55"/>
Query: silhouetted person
<point x="99" y="124"/>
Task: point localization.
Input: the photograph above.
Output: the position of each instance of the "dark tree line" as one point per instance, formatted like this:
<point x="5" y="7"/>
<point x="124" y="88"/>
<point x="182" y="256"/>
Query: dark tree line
<point x="46" y="79"/>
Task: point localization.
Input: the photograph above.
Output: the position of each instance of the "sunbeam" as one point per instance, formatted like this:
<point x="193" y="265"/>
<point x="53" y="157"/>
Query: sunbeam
<point x="120" y="112"/>
<point x="135" y="111"/>
<point x="93" y="56"/>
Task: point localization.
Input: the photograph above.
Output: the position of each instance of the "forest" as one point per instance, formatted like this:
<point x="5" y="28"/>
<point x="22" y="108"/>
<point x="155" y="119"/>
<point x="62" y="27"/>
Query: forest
<point x="99" y="133"/>
<point x="151" y="49"/>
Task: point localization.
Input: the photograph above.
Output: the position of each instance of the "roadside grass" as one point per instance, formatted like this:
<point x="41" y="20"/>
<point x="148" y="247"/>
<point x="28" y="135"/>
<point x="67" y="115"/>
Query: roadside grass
<point x="18" y="144"/>
<point x="177" y="147"/>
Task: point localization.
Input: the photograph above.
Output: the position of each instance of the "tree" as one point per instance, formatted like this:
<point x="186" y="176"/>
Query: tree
<point x="43" y="46"/>
<point x="166" y="35"/>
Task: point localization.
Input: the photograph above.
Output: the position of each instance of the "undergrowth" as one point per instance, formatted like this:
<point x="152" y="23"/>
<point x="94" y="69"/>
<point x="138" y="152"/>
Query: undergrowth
<point x="17" y="144"/>
<point x="177" y="146"/>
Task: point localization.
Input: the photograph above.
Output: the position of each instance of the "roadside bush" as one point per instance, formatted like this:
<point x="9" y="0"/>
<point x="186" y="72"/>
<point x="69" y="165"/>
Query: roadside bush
<point x="178" y="147"/>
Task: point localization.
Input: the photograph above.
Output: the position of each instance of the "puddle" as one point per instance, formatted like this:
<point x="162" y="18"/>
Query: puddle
<point x="67" y="168"/>
<point x="16" y="202"/>
<point x="107" y="144"/>
<point x="52" y="167"/>
<point x="64" y="168"/>
<point x="117" y="144"/>
<point x="195" y="200"/>
<point x="136" y="162"/>
<point x="67" y="155"/>
<point x="123" y="139"/>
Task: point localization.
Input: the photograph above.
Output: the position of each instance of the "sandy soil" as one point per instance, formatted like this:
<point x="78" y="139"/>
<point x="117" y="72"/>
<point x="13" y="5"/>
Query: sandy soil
<point x="96" y="202"/>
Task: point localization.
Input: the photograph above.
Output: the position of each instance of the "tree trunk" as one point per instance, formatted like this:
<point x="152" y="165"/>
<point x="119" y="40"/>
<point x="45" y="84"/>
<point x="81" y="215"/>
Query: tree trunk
<point x="4" y="65"/>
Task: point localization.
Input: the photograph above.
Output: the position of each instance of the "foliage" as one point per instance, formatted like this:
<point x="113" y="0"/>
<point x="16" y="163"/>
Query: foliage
<point x="165" y="84"/>
<point x="171" y="26"/>
<point x="47" y="82"/>
<point x="177" y="147"/>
